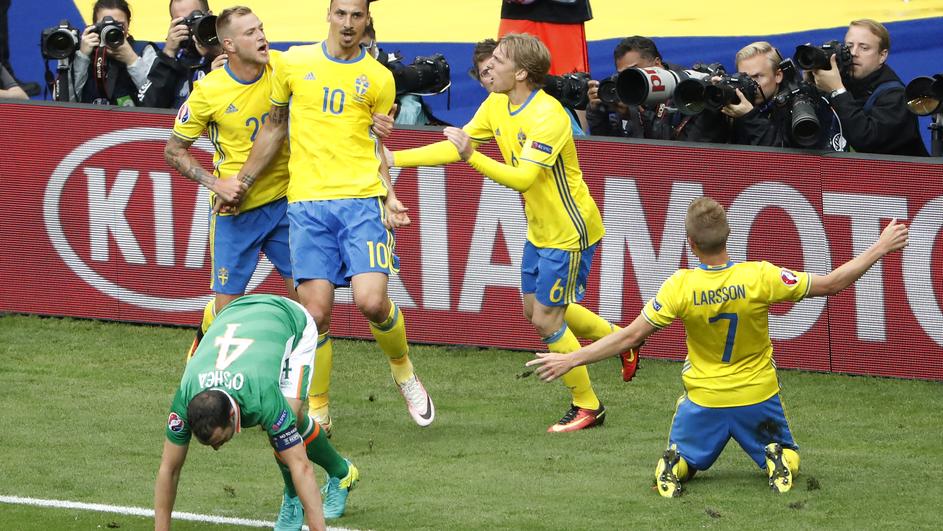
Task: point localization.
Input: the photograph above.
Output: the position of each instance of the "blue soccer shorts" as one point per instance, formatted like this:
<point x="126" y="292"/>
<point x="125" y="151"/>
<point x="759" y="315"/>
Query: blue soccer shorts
<point x="555" y="277"/>
<point x="338" y="238"/>
<point x="235" y="243"/>
<point x="702" y="432"/>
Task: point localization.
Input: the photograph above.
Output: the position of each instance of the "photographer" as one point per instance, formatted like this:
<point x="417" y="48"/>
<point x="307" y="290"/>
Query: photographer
<point x="110" y="73"/>
<point x="763" y="121"/>
<point x="871" y="105"/>
<point x="184" y="59"/>
<point x="639" y="121"/>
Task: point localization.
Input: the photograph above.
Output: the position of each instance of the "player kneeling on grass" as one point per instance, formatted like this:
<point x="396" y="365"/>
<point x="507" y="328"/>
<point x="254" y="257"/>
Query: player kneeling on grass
<point x="729" y="376"/>
<point x="253" y="368"/>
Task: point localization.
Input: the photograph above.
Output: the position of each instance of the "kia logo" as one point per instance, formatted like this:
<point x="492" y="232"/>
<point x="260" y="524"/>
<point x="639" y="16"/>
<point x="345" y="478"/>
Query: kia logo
<point x="107" y="221"/>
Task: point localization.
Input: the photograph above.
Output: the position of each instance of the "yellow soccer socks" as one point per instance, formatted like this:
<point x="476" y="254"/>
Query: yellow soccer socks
<point x="576" y="379"/>
<point x="391" y="337"/>
<point x="209" y="314"/>
<point x="586" y="324"/>
<point x="321" y="382"/>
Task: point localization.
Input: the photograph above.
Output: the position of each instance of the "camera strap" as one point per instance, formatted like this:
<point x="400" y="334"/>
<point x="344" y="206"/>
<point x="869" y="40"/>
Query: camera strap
<point x="101" y="71"/>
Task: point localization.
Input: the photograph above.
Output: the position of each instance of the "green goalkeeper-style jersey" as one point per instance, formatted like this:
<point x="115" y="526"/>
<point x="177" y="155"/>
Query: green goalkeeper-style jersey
<point x="242" y="354"/>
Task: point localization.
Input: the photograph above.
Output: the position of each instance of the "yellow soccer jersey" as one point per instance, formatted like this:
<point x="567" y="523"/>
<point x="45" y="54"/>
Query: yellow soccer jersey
<point x="560" y="212"/>
<point x="334" y="155"/>
<point x="725" y="311"/>
<point x="232" y="111"/>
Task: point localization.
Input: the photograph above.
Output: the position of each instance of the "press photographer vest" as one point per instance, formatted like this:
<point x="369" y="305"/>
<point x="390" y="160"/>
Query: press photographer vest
<point x="119" y="88"/>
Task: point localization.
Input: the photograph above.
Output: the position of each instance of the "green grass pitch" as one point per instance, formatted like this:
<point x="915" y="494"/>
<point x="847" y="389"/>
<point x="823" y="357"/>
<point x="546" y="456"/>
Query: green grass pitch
<point x="84" y="405"/>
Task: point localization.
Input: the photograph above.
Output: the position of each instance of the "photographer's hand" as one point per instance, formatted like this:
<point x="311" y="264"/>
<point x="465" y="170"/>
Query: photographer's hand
<point x="90" y="41"/>
<point x="737" y="110"/>
<point x="593" y="94"/>
<point x="175" y="36"/>
<point x="828" y="81"/>
<point x="460" y="139"/>
<point x="125" y="53"/>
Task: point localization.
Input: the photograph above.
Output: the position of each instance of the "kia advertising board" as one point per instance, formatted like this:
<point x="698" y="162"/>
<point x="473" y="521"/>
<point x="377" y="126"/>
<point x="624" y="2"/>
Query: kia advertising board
<point x="96" y="224"/>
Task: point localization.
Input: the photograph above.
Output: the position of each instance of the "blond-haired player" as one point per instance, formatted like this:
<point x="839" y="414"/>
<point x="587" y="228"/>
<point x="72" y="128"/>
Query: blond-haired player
<point x="729" y="376"/>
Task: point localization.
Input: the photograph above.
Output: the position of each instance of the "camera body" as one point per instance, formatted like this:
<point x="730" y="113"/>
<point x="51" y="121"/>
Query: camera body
<point x="59" y="42"/>
<point x="426" y="76"/>
<point x="810" y="57"/>
<point x="202" y="27"/>
<point x="724" y="91"/>
<point x="571" y="90"/>
<point x="797" y="98"/>
<point x="110" y="32"/>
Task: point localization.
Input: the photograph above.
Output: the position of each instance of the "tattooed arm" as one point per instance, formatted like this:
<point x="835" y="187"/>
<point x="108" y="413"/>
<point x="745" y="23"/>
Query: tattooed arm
<point x="266" y="145"/>
<point x="177" y="154"/>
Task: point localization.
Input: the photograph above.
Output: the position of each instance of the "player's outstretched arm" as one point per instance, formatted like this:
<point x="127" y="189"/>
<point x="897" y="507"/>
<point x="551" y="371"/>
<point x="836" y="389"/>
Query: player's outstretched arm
<point x="893" y="238"/>
<point x="177" y="154"/>
<point x="302" y="475"/>
<point x="165" y="488"/>
<point x="550" y="366"/>
<point x="518" y="178"/>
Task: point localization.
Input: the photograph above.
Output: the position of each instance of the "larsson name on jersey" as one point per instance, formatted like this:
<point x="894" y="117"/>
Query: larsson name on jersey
<point x="719" y="295"/>
<point x="226" y="379"/>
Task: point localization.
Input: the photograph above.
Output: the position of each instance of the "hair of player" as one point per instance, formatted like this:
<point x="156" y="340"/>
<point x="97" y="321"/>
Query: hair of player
<point x="204" y="6"/>
<point x="706" y="225"/>
<point x="368" y="2"/>
<point x="528" y="54"/>
<point x="876" y="28"/>
<point x="760" y="48"/>
<point x="224" y="19"/>
<point x="208" y="410"/>
<point x="643" y="45"/>
<point x="111" y="4"/>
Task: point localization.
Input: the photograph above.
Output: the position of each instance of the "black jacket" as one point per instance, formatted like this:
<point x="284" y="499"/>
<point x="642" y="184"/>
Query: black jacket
<point x="168" y="77"/>
<point x="117" y="86"/>
<point x="888" y="127"/>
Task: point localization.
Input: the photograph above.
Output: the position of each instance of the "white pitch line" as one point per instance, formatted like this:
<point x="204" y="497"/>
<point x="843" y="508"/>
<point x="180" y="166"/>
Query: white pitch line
<point x="141" y="511"/>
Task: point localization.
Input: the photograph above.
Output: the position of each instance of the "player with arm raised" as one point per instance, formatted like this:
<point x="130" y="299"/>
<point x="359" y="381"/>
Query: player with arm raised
<point x="342" y="207"/>
<point x="563" y="223"/>
<point x="254" y="368"/>
<point x="729" y="376"/>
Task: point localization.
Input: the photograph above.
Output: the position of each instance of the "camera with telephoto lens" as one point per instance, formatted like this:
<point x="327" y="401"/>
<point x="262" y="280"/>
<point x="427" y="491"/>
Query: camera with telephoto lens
<point x="925" y="95"/>
<point x="110" y="32"/>
<point x="798" y="97"/>
<point x="59" y="42"/>
<point x="571" y="90"/>
<point x="607" y="91"/>
<point x="427" y="76"/>
<point x="689" y="95"/>
<point x="724" y="91"/>
<point x="202" y="28"/>
<point x="652" y="85"/>
<point x="810" y="57"/>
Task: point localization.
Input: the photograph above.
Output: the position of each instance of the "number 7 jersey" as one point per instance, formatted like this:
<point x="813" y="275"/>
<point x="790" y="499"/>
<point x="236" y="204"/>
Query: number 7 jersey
<point x="725" y="311"/>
